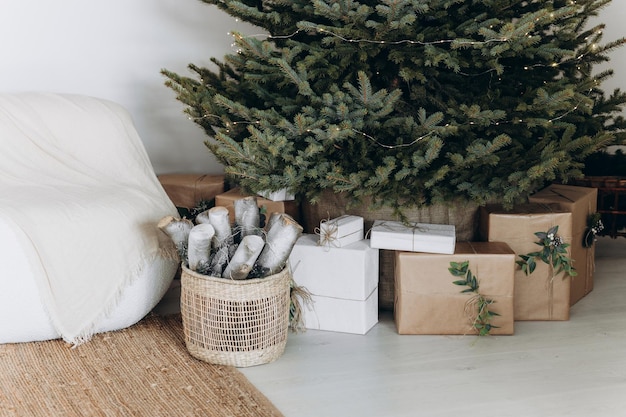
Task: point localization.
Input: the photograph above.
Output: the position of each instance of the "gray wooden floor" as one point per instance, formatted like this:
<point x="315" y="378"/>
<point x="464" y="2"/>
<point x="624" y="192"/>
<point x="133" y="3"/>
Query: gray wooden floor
<point x="573" y="368"/>
<point x="552" y="369"/>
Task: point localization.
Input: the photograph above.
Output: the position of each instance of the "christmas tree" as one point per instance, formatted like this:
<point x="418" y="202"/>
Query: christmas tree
<point x="410" y="102"/>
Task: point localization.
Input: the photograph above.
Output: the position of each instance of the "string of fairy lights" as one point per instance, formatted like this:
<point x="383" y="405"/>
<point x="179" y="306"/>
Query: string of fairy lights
<point x="457" y="42"/>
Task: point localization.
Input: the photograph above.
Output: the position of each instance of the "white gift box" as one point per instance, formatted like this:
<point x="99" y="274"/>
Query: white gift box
<point x="343" y="283"/>
<point x="338" y="315"/>
<point x="280" y="195"/>
<point x="341" y="231"/>
<point x="413" y="237"/>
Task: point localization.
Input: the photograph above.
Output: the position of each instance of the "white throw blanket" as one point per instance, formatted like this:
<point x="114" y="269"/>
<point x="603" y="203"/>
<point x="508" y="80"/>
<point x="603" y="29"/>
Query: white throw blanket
<point x="78" y="188"/>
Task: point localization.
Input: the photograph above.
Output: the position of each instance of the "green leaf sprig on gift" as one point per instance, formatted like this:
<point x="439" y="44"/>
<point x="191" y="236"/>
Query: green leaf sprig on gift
<point x="482" y="319"/>
<point x="594" y="227"/>
<point x="553" y="252"/>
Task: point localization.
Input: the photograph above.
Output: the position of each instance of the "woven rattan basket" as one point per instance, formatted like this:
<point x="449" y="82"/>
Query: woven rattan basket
<point x="237" y="323"/>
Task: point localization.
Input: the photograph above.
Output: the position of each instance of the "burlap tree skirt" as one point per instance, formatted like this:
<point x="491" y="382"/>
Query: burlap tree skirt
<point x="462" y="215"/>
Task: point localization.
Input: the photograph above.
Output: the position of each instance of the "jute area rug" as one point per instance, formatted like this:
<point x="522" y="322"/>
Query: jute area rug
<point x="144" y="370"/>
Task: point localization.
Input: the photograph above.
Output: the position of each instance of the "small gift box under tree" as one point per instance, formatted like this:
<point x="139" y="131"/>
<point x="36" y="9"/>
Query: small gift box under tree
<point x="188" y="191"/>
<point x="341" y="231"/>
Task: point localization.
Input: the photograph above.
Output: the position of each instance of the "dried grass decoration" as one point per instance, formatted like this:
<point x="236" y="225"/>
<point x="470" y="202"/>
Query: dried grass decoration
<point x="236" y="287"/>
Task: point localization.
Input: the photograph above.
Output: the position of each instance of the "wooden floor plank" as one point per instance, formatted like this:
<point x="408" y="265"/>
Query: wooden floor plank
<point x="573" y="368"/>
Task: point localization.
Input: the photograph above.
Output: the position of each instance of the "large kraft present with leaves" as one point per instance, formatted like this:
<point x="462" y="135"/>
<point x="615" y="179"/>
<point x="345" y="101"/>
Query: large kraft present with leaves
<point x="582" y="203"/>
<point x="228" y="198"/>
<point x="428" y="301"/>
<point x="188" y="190"/>
<point x="543" y="294"/>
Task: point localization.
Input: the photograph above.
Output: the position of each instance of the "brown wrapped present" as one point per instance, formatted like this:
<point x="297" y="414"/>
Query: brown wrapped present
<point x="228" y="198"/>
<point x="187" y="190"/>
<point x="581" y="202"/>
<point x="428" y="301"/>
<point x="540" y="295"/>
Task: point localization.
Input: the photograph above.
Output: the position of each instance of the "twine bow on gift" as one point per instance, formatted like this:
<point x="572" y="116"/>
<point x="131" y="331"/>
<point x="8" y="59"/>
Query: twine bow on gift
<point x="477" y="306"/>
<point x="328" y="234"/>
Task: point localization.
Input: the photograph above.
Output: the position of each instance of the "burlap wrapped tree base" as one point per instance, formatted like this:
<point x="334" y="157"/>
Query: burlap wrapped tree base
<point x="463" y="215"/>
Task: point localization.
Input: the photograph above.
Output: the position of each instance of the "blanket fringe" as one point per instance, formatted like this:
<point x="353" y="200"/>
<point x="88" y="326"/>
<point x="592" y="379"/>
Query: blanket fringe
<point x="90" y="330"/>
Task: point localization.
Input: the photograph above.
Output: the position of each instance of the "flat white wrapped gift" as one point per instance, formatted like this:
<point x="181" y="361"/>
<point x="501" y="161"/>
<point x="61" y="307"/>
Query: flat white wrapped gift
<point x="280" y="195"/>
<point x="343" y="283"/>
<point x="413" y="237"/>
<point x="341" y="231"/>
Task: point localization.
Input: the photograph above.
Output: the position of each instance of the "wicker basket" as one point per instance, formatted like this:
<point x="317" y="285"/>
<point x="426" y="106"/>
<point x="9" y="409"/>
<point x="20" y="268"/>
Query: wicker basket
<point x="237" y="323"/>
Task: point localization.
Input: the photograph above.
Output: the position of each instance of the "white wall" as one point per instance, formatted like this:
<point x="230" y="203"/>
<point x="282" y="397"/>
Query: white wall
<point x="614" y="16"/>
<point x="116" y="48"/>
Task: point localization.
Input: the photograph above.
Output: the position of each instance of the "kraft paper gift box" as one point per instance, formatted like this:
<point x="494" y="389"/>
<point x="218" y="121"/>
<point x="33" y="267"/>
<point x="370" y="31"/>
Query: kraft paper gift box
<point x="228" y="198"/>
<point x="343" y="283"/>
<point x="187" y="190"/>
<point x="538" y="296"/>
<point x="581" y="202"/>
<point x="428" y="302"/>
<point x="341" y="231"/>
<point x="413" y="237"/>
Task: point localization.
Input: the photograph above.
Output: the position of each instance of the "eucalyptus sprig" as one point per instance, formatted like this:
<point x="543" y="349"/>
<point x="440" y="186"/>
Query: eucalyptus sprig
<point x="553" y="252"/>
<point x="594" y="227"/>
<point x="482" y="320"/>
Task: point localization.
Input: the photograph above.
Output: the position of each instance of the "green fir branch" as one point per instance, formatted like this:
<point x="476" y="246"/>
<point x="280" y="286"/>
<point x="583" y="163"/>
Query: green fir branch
<point x="481" y="101"/>
<point x="553" y="253"/>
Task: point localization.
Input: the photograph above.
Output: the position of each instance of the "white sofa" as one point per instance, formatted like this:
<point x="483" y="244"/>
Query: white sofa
<point x="80" y="252"/>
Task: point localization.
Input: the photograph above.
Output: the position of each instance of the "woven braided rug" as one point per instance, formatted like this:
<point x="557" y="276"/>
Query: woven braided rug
<point x="144" y="370"/>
